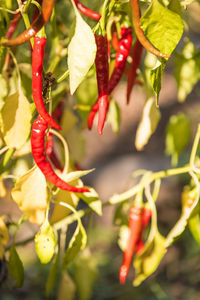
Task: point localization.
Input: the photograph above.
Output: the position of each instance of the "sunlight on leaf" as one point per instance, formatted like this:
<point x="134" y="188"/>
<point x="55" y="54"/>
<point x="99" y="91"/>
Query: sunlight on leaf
<point x="81" y="52"/>
<point x="92" y="200"/>
<point x="16" y="120"/>
<point x="30" y="194"/>
<point x="162" y="27"/>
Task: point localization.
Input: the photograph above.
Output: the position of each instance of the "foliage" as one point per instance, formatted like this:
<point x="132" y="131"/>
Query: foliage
<point x="70" y="91"/>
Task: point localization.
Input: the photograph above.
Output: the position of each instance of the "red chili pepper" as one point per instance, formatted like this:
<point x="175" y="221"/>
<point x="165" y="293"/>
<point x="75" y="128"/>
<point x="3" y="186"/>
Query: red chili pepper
<point x="13" y="24"/>
<point x="37" y="68"/>
<point x="139" y="32"/>
<point x="136" y="57"/>
<point x="102" y="71"/>
<point x="37" y="143"/>
<point x="47" y="7"/>
<point x="147" y="214"/>
<point x="86" y="11"/>
<point x="120" y="62"/>
<point x="124" y="46"/>
<point x="135" y="226"/>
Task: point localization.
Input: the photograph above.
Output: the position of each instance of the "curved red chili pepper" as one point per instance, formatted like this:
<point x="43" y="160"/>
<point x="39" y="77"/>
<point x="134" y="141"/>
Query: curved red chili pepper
<point x="47" y="7"/>
<point x="87" y="11"/>
<point x="124" y="46"/>
<point x="102" y="71"/>
<point x="139" y="32"/>
<point x="37" y="68"/>
<point x="135" y="226"/>
<point x="37" y="144"/>
<point x="136" y="57"/>
<point x="13" y="24"/>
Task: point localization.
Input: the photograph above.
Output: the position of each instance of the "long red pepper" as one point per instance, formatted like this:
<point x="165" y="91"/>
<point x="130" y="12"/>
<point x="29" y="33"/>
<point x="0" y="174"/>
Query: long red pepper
<point x="37" y="68"/>
<point x="136" y="57"/>
<point x="47" y="7"/>
<point x="102" y="71"/>
<point x="135" y="226"/>
<point x="87" y="11"/>
<point x="139" y="32"/>
<point x="38" y="150"/>
<point x="123" y="50"/>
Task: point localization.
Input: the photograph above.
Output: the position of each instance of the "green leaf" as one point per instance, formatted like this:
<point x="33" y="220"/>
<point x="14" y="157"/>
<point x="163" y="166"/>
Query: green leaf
<point x="77" y="243"/>
<point x="114" y="116"/>
<point x="53" y="274"/>
<point x="16" y="120"/>
<point x="15" y="267"/>
<point x="67" y="287"/>
<point x="187" y="211"/>
<point x="81" y="52"/>
<point x="148" y="123"/>
<point x="156" y="77"/>
<point x="92" y="199"/>
<point x="45" y="242"/>
<point x="177" y="136"/>
<point x="175" y="6"/>
<point x="147" y="262"/>
<point x="162" y="27"/>
<point x="194" y="226"/>
<point x="187" y="69"/>
<point x="84" y="274"/>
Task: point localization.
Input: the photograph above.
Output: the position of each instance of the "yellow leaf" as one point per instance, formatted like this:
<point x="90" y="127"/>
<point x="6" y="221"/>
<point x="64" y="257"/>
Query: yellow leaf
<point x="30" y="193"/>
<point x="16" y="120"/>
<point x="45" y="242"/>
<point x="148" y="124"/>
<point x="3" y="236"/>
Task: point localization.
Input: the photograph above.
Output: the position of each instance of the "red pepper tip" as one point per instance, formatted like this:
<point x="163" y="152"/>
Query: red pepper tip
<point x="123" y="272"/>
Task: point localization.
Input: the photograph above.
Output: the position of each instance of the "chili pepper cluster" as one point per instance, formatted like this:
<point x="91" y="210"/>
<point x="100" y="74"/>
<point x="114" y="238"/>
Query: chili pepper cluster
<point x="105" y="84"/>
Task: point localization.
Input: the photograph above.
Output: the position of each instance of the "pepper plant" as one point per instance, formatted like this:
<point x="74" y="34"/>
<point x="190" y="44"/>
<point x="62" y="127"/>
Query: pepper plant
<point x="49" y="52"/>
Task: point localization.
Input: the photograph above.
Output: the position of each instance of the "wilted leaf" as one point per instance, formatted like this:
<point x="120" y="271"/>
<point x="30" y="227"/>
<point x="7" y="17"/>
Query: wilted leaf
<point x="114" y="116"/>
<point x="162" y="27"/>
<point x="16" y="120"/>
<point x="84" y="274"/>
<point x="177" y="136"/>
<point x="30" y="193"/>
<point x="66" y="287"/>
<point x="15" y="267"/>
<point x="92" y="199"/>
<point x="148" y="124"/>
<point x="45" y="242"/>
<point x="81" y="52"/>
